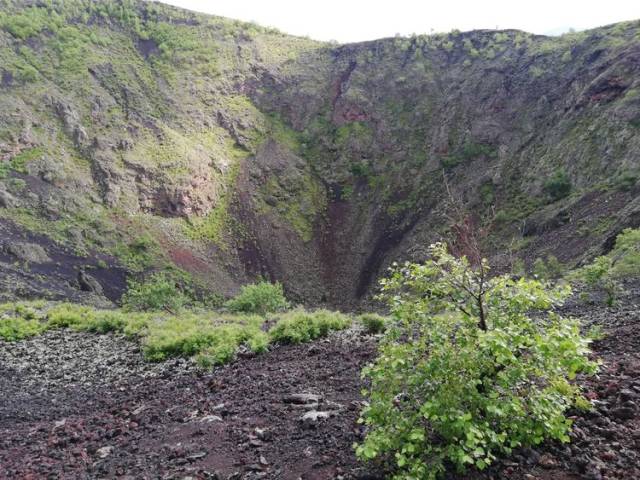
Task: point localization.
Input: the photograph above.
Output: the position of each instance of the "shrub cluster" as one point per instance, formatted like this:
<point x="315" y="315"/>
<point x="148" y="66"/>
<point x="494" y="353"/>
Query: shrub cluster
<point x="466" y="373"/>
<point x="260" y="298"/>
<point x="607" y="272"/>
<point x="373" y="323"/>
<point x="158" y="292"/>
<point x="19" y="328"/>
<point x="558" y="186"/>
<point x="299" y="326"/>
<point x="212" y="338"/>
<point x="547" y="269"/>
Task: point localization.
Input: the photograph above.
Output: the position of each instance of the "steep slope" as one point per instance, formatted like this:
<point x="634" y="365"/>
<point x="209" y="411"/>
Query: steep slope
<point x="137" y="136"/>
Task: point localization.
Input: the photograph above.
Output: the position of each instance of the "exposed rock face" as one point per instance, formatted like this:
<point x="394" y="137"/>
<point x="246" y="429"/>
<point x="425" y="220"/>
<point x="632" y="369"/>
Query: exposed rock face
<point x="261" y="154"/>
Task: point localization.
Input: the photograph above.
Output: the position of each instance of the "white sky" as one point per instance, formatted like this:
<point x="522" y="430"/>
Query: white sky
<point x="357" y="20"/>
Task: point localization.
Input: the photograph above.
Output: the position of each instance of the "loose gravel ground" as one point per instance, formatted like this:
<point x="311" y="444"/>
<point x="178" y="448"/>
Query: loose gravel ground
<point x="77" y="405"/>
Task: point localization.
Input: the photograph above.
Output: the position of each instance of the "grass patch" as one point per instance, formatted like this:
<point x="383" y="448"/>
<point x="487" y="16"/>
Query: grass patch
<point x="373" y="323"/>
<point x="12" y="329"/>
<point x="300" y="326"/>
<point x="211" y="337"/>
<point x="206" y="335"/>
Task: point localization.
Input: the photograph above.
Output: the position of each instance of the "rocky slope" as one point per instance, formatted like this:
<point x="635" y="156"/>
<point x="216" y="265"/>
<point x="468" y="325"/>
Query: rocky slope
<point x="137" y="136"/>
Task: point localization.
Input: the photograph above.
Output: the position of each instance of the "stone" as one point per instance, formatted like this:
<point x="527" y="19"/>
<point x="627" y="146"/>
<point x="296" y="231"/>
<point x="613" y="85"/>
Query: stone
<point x="627" y="394"/>
<point x="608" y="456"/>
<point x="28" y="252"/>
<point x="7" y="200"/>
<point x="313" y="417"/>
<point x="302" y="398"/>
<point x="88" y="283"/>
<point x="211" y="419"/>
<point x="547" y="461"/>
<point x="196" y="456"/>
<point x="104" y="452"/>
<point x="623" y="413"/>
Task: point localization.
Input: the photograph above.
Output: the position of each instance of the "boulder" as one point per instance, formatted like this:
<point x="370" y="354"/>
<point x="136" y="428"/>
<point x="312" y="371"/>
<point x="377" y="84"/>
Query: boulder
<point x="28" y="252"/>
<point x="88" y="283"/>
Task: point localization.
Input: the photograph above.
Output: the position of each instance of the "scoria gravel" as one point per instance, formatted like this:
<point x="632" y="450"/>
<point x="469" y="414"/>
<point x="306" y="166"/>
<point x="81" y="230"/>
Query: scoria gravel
<point x="88" y="406"/>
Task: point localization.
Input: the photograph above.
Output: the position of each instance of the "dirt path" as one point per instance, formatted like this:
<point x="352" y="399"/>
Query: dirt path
<point x="87" y="406"/>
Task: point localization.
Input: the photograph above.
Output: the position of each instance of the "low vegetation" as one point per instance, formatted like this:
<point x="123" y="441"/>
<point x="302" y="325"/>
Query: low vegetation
<point x="467" y="373"/>
<point x="212" y="337"/>
<point x="558" y="185"/>
<point x="299" y="326"/>
<point x="158" y="292"/>
<point x="260" y="298"/>
<point x="547" y="269"/>
<point x="608" y="272"/>
<point x="373" y="323"/>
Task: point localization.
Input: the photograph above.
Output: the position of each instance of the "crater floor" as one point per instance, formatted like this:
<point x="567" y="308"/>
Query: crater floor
<point x="88" y="406"/>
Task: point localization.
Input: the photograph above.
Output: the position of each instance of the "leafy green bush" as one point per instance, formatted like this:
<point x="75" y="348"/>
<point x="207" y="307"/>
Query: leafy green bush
<point x="599" y="274"/>
<point x="18" y="328"/>
<point x="607" y="272"/>
<point x="467" y="373"/>
<point x="83" y="318"/>
<point x="260" y="298"/>
<point x="300" y="326"/>
<point x="213" y="340"/>
<point x="540" y="269"/>
<point x="158" y="292"/>
<point x="558" y="186"/>
<point x="68" y="315"/>
<point x="549" y="269"/>
<point x="626" y="181"/>
<point x="625" y="256"/>
<point x="373" y="323"/>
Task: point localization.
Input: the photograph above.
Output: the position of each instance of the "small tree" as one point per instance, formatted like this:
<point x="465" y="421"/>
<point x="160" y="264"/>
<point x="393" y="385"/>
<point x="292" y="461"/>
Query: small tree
<point x="466" y="373"/>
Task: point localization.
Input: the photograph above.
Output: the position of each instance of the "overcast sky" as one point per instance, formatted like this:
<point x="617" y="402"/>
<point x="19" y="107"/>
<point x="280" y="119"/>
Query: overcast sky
<point x="357" y="20"/>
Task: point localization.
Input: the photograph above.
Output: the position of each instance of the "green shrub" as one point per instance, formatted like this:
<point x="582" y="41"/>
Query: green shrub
<point x="518" y="268"/>
<point x="467" y="374"/>
<point x="549" y="269"/>
<point x="555" y="269"/>
<point x="558" y="186"/>
<point x="626" y="181"/>
<point x="625" y="256"/>
<point x="83" y="318"/>
<point x="158" y="292"/>
<point x="607" y="272"/>
<point x="373" y="323"/>
<point x="502" y="217"/>
<point x="260" y="298"/>
<point x="213" y="340"/>
<point x="68" y="315"/>
<point x="18" y="328"/>
<point x="599" y="274"/>
<point x="299" y="326"/>
<point x="540" y="269"/>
